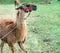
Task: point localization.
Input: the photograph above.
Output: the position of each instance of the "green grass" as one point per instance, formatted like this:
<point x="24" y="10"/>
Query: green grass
<point x="43" y="28"/>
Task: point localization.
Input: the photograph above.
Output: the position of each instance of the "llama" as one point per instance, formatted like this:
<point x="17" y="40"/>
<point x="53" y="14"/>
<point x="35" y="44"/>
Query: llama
<point x="12" y="32"/>
<point x="17" y="35"/>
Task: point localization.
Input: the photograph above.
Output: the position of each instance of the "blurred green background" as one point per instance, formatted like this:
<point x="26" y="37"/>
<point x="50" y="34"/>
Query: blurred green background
<point x="43" y="26"/>
<point x="29" y="1"/>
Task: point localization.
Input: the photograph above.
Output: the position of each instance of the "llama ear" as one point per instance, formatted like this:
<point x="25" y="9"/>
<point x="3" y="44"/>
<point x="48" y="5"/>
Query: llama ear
<point x="17" y="2"/>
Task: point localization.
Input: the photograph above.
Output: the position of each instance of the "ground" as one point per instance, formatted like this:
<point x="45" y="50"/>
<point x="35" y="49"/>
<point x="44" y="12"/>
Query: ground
<point x="43" y="28"/>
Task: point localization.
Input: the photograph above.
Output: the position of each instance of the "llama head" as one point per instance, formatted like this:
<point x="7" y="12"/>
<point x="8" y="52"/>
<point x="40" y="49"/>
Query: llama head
<point x="27" y="7"/>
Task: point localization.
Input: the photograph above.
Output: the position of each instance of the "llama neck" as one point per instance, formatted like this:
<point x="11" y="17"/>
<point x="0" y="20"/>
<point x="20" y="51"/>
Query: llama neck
<point x="20" y="18"/>
<point x="21" y="26"/>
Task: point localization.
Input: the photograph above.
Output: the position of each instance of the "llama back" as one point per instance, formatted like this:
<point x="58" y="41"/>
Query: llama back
<point x="5" y="26"/>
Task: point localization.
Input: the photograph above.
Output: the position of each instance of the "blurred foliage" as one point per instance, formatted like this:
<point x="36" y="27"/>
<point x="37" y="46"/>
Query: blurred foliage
<point x="29" y="1"/>
<point x="58" y="0"/>
<point x="12" y="1"/>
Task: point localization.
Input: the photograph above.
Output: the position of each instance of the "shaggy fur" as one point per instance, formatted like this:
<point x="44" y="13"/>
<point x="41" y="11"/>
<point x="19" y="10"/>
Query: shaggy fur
<point x="17" y="35"/>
